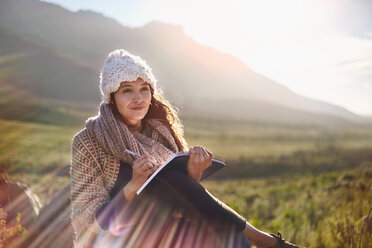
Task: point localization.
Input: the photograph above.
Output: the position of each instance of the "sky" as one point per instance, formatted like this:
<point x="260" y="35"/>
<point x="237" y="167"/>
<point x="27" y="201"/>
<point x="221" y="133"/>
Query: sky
<point x="320" y="49"/>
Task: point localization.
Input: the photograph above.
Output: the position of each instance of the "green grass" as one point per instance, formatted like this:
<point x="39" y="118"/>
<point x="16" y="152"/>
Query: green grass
<point x="315" y="211"/>
<point x="35" y="153"/>
<point x="241" y="140"/>
<point x="306" y="181"/>
<point x="33" y="148"/>
<point x="38" y="149"/>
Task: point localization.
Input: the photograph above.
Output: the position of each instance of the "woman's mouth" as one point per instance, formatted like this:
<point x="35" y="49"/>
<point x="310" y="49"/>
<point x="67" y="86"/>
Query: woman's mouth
<point x="138" y="108"/>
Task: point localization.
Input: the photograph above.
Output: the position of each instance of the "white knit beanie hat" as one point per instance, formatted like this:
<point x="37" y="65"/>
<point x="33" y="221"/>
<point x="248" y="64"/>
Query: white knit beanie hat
<point x="121" y="66"/>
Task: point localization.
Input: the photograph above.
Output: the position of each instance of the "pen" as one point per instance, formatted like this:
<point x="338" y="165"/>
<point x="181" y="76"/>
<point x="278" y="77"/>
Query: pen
<point x="132" y="153"/>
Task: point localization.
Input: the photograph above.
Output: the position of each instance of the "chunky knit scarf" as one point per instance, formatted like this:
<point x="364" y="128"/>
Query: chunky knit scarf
<point x="114" y="137"/>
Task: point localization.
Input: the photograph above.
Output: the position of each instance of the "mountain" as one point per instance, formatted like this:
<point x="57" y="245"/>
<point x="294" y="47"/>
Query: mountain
<point x="60" y="54"/>
<point x="41" y="71"/>
<point x="31" y="83"/>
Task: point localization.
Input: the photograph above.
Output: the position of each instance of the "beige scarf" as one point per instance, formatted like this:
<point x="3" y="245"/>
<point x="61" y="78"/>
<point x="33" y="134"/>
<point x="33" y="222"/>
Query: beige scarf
<point x="114" y="137"/>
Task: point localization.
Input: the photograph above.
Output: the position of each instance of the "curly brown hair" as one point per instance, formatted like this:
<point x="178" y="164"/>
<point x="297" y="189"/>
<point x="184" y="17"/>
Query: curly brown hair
<point x="160" y="109"/>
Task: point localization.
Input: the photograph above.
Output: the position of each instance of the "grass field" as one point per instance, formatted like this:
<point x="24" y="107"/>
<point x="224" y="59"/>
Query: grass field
<point x="35" y="153"/>
<point x="315" y="211"/>
<point x="311" y="183"/>
<point x="237" y="140"/>
<point x="41" y="150"/>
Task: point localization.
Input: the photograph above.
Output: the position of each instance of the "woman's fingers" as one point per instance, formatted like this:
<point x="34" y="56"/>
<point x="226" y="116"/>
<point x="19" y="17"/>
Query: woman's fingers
<point x="148" y="169"/>
<point x="209" y="154"/>
<point x="200" y="157"/>
<point x="207" y="158"/>
<point x="205" y="153"/>
<point x="146" y="156"/>
<point x="192" y="154"/>
<point x="144" y="159"/>
<point x="145" y="169"/>
<point x="145" y="165"/>
<point x="151" y="170"/>
<point x="201" y="154"/>
<point x="210" y="157"/>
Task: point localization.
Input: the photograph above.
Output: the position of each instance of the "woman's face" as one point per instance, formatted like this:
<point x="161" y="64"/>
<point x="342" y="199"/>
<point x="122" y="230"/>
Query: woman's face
<point x="133" y="100"/>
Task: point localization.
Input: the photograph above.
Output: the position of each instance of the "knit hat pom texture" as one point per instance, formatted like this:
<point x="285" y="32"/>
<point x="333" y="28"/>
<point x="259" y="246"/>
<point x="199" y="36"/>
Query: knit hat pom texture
<point x="122" y="66"/>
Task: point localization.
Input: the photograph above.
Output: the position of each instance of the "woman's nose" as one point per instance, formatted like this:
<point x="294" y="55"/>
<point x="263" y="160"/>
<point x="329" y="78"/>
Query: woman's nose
<point x="137" y="97"/>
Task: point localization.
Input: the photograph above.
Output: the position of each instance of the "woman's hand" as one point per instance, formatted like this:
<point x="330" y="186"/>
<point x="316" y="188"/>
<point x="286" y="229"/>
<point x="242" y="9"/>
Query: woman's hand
<point x="200" y="159"/>
<point x="142" y="168"/>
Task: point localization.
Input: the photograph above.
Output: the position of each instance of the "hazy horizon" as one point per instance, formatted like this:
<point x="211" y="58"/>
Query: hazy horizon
<point x="318" y="49"/>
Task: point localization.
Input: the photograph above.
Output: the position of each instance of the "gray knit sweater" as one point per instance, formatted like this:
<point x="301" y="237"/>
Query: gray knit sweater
<point x="94" y="170"/>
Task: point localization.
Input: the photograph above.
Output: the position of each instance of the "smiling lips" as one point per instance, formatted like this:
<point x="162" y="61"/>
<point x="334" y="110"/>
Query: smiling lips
<point x="138" y="108"/>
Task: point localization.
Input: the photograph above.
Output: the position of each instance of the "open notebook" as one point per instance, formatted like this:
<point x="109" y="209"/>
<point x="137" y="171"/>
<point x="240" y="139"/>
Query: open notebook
<point x="181" y="159"/>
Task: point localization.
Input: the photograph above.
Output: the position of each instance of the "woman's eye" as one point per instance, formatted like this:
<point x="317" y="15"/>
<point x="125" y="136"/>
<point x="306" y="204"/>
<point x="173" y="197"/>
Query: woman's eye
<point x="127" y="91"/>
<point x="145" y="88"/>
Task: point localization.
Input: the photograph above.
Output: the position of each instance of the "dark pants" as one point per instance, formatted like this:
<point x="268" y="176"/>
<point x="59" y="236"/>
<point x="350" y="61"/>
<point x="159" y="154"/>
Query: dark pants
<point x="176" y="211"/>
<point x="192" y="200"/>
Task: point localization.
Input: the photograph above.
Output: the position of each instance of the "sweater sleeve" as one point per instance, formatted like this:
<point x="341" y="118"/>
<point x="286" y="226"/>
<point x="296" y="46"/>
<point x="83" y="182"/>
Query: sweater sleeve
<point x="88" y="193"/>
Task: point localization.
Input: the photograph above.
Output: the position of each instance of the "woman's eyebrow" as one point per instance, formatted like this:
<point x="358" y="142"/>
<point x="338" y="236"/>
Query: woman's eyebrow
<point x="130" y="85"/>
<point x="125" y="85"/>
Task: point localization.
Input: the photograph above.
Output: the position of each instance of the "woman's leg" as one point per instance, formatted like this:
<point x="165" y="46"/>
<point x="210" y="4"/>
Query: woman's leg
<point x="195" y="199"/>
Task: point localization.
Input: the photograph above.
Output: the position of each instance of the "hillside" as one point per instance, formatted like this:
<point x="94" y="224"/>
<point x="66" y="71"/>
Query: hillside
<point x="70" y="48"/>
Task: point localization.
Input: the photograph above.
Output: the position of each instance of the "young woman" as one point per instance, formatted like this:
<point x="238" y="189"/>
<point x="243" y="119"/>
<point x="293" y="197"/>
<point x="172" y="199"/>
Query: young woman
<point x="174" y="210"/>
